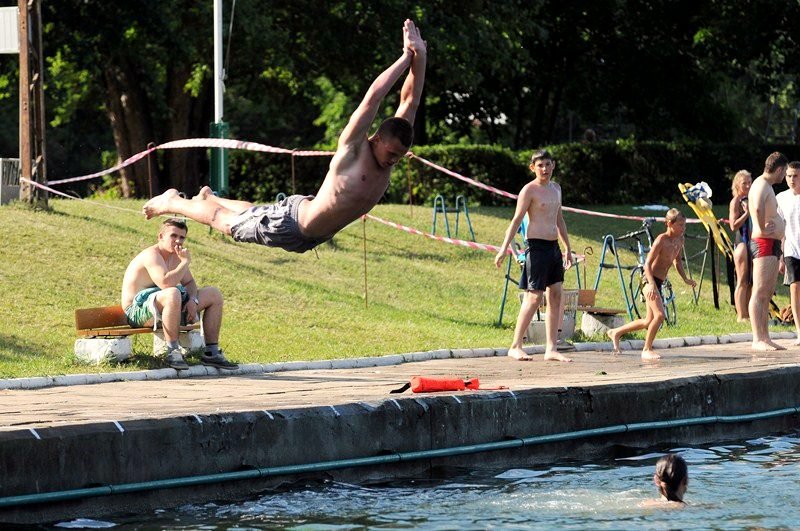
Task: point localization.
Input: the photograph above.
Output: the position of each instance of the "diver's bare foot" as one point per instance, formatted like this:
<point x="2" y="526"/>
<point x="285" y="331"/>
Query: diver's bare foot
<point x="743" y="319"/>
<point x="203" y="194"/>
<point x="554" y="355"/>
<point x="159" y="204"/>
<point x="519" y="354"/>
<point x="650" y="354"/>
<point x="796" y="342"/>
<point x="764" y="346"/>
<point x="613" y="335"/>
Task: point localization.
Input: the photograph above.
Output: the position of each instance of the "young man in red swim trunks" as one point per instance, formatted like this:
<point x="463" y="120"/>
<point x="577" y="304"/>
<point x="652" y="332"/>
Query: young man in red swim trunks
<point x="765" y="246"/>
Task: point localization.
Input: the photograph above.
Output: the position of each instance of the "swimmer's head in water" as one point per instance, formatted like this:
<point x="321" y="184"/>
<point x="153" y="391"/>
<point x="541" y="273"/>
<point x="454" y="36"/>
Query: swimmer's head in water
<point x="672" y="477"/>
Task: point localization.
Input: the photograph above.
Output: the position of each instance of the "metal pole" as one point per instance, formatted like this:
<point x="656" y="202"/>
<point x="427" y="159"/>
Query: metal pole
<point x="218" y="72"/>
<point x="218" y="174"/>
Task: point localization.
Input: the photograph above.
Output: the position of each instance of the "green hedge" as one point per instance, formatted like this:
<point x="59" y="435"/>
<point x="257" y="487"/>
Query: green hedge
<point x="621" y="172"/>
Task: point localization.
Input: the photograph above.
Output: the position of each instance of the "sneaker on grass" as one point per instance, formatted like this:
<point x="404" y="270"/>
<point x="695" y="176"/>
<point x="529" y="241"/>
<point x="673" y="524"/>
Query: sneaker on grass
<point x="175" y="359"/>
<point x="564" y="346"/>
<point x="219" y="361"/>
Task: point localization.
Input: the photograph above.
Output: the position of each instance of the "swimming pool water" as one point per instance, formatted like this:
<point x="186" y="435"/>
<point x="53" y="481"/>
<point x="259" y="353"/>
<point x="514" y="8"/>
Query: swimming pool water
<point x="752" y="484"/>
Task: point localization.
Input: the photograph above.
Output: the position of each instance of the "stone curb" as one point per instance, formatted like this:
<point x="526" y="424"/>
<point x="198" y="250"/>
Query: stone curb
<point x="39" y="382"/>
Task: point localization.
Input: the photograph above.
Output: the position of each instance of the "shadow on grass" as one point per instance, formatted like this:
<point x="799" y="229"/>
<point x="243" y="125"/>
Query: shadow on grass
<point x="22" y="347"/>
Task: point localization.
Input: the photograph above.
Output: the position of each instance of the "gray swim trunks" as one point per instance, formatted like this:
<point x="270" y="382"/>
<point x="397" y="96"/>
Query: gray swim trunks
<point x="274" y="226"/>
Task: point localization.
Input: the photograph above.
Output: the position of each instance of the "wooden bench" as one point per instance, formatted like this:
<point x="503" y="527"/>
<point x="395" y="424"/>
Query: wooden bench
<point x="110" y="321"/>
<point x="586" y="301"/>
<point x="103" y="334"/>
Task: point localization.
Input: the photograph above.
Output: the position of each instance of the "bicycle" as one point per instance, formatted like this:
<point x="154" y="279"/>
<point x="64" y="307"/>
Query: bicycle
<point x="638" y="281"/>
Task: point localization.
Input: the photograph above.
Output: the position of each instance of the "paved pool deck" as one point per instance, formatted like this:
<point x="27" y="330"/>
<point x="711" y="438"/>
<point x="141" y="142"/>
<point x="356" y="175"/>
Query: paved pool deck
<point x="73" y="432"/>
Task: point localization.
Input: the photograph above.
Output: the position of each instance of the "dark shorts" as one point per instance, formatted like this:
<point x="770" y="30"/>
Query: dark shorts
<point x="761" y="247"/>
<point x="659" y="283"/>
<point x="543" y="267"/>
<point x="274" y="226"/>
<point x="792" y="270"/>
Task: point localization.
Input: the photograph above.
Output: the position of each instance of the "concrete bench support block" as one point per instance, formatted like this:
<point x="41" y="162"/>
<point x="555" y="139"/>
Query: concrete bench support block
<point x="97" y="350"/>
<point x="595" y="323"/>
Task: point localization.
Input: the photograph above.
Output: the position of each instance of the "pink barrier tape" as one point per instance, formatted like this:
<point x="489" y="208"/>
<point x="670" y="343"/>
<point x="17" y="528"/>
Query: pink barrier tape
<point x="52" y="191"/>
<point x="196" y="143"/>
<point x="452" y="241"/>
<point x="473" y="182"/>
<point x="509" y="195"/>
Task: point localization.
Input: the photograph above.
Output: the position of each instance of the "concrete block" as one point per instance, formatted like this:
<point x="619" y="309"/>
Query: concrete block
<point x="594" y="323"/>
<point x="252" y="368"/>
<point x="98" y="350"/>
<point x="159" y="374"/>
<point x="130" y="376"/>
<point x="675" y="342"/>
<point x="661" y="344"/>
<point x="192" y="341"/>
<point x="483" y="352"/>
<point x="536" y="349"/>
<point x="416" y="356"/>
<point x="636" y="344"/>
<point x="501" y="352"/>
<point x="709" y="340"/>
<point x="197" y="370"/>
<point x="71" y="379"/>
<point x="741" y="337"/>
<point x="271" y="367"/>
<point x="303" y="365"/>
<point x="604" y="346"/>
<point x="782" y="335"/>
<point x="461" y="353"/>
<point x="12" y="383"/>
<point x="585" y="347"/>
<point x="725" y="339"/>
<point x="441" y="354"/>
<point x="692" y="341"/>
<point x="37" y="382"/>
<point x="319" y="365"/>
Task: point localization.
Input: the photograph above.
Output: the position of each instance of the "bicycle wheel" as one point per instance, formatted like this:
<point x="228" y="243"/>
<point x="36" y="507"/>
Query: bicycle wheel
<point x="668" y="297"/>
<point x="637" y="284"/>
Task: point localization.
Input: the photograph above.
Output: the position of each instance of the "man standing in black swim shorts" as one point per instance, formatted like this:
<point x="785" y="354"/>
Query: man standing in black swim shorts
<point x="540" y="199"/>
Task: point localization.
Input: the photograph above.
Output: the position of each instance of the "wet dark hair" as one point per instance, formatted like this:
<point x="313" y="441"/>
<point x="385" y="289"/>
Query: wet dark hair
<point x="540" y="154"/>
<point x="775" y="161"/>
<point x="671" y="471"/>
<point x="175" y="222"/>
<point x="399" y="128"/>
<point x="795" y="165"/>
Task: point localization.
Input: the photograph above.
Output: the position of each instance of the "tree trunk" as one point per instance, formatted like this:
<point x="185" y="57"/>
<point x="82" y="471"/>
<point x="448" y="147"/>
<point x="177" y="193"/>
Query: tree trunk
<point x="129" y="116"/>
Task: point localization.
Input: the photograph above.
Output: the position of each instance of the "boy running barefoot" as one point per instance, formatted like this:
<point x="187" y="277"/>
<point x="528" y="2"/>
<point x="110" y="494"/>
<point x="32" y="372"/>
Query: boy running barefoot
<point x="666" y="250"/>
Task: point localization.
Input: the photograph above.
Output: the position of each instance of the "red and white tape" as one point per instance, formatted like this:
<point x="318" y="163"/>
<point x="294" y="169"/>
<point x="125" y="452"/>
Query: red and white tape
<point x="197" y="143"/>
<point x="452" y="241"/>
<point x="255" y="146"/>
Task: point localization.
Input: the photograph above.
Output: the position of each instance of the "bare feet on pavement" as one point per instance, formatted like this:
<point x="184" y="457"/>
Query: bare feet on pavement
<point x="650" y="355"/>
<point x="556" y="356"/>
<point x="519" y="354"/>
<point x="159" y="204"/>
<point x="766" y="346"/>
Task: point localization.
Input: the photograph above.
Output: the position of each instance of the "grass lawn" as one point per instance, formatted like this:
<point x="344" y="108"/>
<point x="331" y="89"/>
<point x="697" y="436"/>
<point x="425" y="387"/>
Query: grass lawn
<point x="279" y="306"/>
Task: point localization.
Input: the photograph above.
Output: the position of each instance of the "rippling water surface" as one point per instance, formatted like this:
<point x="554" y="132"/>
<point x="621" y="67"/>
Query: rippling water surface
<point x="754" y="484"/>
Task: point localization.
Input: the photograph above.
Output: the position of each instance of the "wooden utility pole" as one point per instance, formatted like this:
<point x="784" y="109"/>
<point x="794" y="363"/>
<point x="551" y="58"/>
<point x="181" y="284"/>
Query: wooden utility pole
<point x="31" y="103"/>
